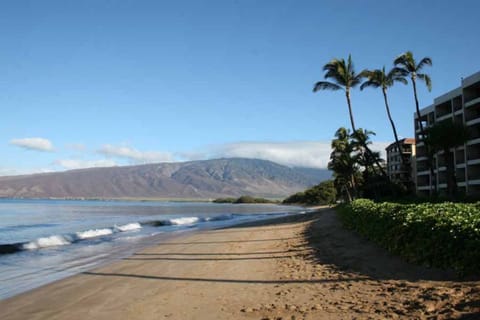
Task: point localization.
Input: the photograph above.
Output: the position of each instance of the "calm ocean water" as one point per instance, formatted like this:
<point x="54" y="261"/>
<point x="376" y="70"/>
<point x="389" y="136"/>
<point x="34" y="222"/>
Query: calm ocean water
<point x="46" y="240"/>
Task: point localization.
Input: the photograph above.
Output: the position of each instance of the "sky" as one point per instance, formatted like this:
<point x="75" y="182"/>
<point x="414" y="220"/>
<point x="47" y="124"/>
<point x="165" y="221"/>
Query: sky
<point x="103" y="83"/>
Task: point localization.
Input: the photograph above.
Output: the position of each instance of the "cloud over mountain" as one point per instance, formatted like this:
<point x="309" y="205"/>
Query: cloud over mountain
<point x="134" y="155"/>
<point x="70" y="164"/>
<point x="38" y="144"/>
<point x="314" y="154"/>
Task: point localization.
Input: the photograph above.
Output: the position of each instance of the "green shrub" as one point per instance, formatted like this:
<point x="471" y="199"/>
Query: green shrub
<point x="243" y="199"/>
<point x="445" y="235"/>
<point x="323" y="193"/>
<point x="225" y="200"/>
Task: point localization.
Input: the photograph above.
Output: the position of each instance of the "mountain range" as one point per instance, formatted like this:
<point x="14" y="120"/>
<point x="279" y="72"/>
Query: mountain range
<point x="206" y="179"/>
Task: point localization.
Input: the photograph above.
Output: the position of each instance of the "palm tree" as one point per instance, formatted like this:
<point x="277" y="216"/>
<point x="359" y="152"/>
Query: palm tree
<point x="443" y="136"/>
<point x="409" y="66"/>
<point x="380" y="79"/>
<point x="360" y="139"/>
<point x="344" y="78"/>
<point x="373" y="185"/>
<point x="343" y="163"/>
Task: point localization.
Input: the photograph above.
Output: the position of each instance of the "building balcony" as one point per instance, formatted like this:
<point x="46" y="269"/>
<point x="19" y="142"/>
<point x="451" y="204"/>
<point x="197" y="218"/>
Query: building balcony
<point x="440" y="169"/>
<point x="472" y="102"/>
<point x="444" y="117"/>
<point x="423" y="188"/>
<point x="474" y="182"/>
<point x="423" y="173"/>
<point x="473" y="162"/>
<point x="473" y="141"/>
<point x="472" y="122"/>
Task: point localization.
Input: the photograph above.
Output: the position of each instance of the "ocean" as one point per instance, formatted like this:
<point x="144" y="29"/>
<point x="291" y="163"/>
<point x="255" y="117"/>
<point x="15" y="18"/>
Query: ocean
<point x="46" y="240"/>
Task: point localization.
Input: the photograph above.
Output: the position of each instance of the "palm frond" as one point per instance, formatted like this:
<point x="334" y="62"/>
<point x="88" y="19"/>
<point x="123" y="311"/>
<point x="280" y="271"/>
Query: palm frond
<point x="350" y="68"/>
<point x="355" y="81"/>
<point x="399" y="71"/>
<point x="424" y="62"/>
<point x="369" y="83"/>
<point x="396" y="75"/>
<point x="426" y="78"/>
<point x="325" y="85"/>
<point x="406" y="60"/>
<point x="400" y="79"/>
<point x="335" y="70"/>
<point x="374" y="78"/>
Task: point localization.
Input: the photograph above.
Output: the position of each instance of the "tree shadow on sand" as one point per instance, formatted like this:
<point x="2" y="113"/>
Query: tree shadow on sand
<point x="220" y="280"/>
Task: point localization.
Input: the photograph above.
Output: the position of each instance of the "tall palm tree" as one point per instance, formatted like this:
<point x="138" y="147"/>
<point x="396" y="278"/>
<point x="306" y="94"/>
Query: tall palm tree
<point x="380" y="79"/>
<point x="443" y="136"/>
<point x="406" y="62"/>
<point x="344" y="78"/>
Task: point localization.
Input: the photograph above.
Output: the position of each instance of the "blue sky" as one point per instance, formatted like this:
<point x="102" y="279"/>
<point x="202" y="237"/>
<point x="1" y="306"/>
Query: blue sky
<point x="98" y="83"/>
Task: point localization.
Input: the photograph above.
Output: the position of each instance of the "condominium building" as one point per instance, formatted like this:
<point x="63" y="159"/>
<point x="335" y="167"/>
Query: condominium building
<point x="398" y="169"/>
<point x="461" y="105"/>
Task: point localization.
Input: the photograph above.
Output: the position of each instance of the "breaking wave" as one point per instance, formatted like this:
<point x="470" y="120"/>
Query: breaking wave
<point x="93" y="233"/>
<point x="62" y="240"/>
<point x="128" y="227"/>
<point x="45" y="242"/>
<point x="187" y="220"/>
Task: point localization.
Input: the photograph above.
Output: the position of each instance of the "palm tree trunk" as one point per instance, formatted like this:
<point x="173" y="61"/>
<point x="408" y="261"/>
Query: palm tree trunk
<point x="349" y="196"/>
<point x="370" y="153"/>
<point x="422" y="132"/>
<point x="347" y="94"/>
<point x="394" y="129"/>
<point x="451" y="176"/>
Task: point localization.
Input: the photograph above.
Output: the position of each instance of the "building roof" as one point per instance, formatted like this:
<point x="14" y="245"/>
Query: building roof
<point x="403" y="141"/>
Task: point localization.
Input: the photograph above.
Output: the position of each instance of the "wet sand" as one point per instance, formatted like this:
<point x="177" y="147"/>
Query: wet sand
<point x="301" y="267"/>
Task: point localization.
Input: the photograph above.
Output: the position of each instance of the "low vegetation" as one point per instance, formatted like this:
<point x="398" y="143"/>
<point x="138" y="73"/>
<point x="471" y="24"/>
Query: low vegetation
<point x="243" y="199"/>
<point x="323" y="193"/>
<point x="444" y="235"/>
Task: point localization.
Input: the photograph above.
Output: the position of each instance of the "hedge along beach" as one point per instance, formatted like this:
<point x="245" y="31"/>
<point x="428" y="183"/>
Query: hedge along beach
<point x="295" y="267"/>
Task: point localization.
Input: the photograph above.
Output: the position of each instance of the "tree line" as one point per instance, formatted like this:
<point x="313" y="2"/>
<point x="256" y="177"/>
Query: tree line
<point x="357" y="170"/>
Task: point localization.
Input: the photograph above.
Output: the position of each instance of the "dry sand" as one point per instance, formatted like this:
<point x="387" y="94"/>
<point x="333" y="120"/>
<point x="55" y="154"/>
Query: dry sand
<point x="303" y="267"/>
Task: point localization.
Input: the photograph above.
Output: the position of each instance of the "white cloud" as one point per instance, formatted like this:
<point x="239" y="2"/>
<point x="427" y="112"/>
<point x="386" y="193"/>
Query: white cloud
<point x="314" y="154"/>
<point x="5" y="171"/>
<point x="71" y="164"/>
<point x="135" y="155"/>
<point x="39" y="144"/>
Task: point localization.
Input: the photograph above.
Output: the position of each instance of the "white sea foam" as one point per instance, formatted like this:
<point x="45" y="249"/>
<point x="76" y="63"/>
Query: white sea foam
<point x="128" y="227"/>
<point x="184" y="220"/>
<point x="94" y="233"/>
<point x="219" y="218"/>
<point x="47" y="242"/>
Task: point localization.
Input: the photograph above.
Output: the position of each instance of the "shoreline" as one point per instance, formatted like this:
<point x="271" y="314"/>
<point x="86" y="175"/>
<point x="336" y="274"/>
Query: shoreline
<point x="13" y="288"/>
<point x="304" y="266"/>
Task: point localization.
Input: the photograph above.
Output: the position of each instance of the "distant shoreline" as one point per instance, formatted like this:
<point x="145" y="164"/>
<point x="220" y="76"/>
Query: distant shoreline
<point x="132" y="199"/>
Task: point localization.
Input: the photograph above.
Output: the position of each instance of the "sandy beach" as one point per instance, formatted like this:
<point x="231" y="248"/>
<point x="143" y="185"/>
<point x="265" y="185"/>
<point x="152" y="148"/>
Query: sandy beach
<point x="302" y="267"/>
